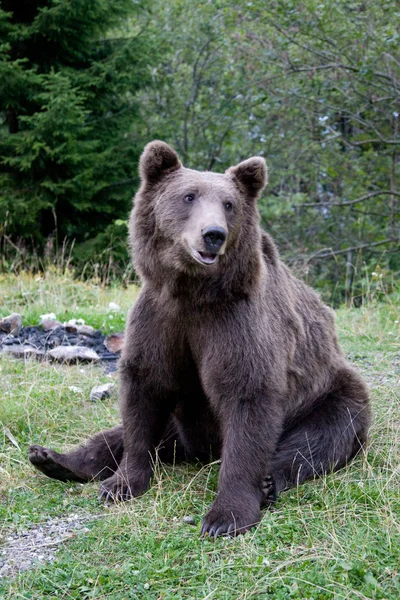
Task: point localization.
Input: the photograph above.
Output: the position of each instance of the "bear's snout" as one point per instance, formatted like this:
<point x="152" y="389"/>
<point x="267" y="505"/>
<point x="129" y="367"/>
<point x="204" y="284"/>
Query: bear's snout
<point x="214" y="237"/>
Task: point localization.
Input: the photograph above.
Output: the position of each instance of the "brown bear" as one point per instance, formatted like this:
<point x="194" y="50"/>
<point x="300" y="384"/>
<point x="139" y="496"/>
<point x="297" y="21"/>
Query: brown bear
<point x="226" y="353"/>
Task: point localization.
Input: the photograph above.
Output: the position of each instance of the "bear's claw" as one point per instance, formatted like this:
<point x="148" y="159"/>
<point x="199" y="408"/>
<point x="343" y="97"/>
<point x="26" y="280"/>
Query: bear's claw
<point x="269" y="491"/>
<point x="223" y="521"/>
<point x="114" y="495"/>
<point x="117" y="488"/>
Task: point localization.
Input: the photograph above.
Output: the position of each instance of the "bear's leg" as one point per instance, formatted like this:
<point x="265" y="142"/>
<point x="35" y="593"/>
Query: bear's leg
<point x="250" y="435"/>
<point x="151" y="369"/>
<point x="100" y="456"/>
<point x="325" y="440"/>
<point x="145" y="410"/>
<point x="95" y="460"/>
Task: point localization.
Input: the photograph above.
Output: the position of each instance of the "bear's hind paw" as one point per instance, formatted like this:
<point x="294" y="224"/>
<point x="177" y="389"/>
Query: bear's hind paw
<point x="45" y="461"/>
<point x="269" y="491"/>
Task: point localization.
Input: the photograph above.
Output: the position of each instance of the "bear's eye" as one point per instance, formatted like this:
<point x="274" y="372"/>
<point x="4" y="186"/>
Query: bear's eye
<point x="228" y="206"/>
<point x="189" y="198"/>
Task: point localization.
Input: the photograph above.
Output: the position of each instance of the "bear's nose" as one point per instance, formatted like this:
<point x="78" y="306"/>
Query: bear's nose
<point x="214" y="237"/>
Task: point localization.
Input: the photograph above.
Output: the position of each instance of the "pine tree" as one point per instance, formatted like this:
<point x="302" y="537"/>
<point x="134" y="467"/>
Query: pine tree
<point x="69" y="73"/>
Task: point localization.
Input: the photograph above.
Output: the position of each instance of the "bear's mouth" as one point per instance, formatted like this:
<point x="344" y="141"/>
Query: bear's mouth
<point x="204" y="258"/>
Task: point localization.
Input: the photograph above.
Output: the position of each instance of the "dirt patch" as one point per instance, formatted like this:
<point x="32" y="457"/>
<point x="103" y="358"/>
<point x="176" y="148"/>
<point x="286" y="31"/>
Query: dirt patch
<point x="39" y="543"/>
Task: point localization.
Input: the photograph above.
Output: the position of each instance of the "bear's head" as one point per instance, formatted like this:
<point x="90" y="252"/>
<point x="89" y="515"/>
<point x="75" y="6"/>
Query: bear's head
<point x="192" y="222"/>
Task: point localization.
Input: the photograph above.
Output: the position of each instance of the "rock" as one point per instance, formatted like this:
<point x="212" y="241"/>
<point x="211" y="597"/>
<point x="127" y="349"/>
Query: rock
<point x="114" y="342"/>
<point x="79" y="327"/>
<point x="73" y="354"/>
<point x="21" y="351"/>
<point x="189" y="520"/>
<point x="86" y="330"/>
<point x="50" y="324"/>
<point x="11" y="324"/>
<point x="100" y="392"/>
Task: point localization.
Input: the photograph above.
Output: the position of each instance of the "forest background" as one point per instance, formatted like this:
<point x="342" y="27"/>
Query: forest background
<point x="314" y="86"/>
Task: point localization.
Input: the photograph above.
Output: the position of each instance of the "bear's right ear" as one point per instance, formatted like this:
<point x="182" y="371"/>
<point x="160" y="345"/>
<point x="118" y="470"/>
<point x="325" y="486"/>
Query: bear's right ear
<point x="252" y="174"/>
<point x="158" y="159"/>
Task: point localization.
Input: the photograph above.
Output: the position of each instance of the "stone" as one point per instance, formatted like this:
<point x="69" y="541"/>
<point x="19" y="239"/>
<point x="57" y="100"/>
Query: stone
<point x="11" y="324"/>
<point x="114" y="342"/>
<point x="78" y="326"/>
<point x="22" y="351"/>
<point x="50" y="324"/>
<point x="189" y="520"/>
<point x="100" y="392"/>
<point x="73" y="354"/>
<point x="86" y="330"/>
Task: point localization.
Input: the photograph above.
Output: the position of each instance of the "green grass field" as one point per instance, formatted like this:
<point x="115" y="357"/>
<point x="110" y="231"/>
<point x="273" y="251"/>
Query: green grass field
<point x="335" y="538"/>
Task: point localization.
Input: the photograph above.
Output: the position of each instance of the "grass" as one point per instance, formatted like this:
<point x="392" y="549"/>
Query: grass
<point x="60" y="294"/>
<point x="335" y="538"/>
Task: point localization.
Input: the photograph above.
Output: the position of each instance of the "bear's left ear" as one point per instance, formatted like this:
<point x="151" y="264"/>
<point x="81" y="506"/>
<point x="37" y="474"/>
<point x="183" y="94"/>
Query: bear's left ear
<point x="158" y="159"/>
<point x="252" y="174"/>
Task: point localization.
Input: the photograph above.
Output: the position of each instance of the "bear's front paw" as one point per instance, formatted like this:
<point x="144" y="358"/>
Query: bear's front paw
<point x="230" y="520"/>
<point x="119" y="488"/>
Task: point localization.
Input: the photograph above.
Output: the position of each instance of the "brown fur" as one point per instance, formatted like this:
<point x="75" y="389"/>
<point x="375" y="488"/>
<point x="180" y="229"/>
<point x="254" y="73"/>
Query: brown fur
<point x="235" y="358"/>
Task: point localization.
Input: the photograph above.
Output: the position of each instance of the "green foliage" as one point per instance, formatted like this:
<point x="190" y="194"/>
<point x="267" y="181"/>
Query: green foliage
<point x="310" y="85"/>
<point x="69" y="72"/>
